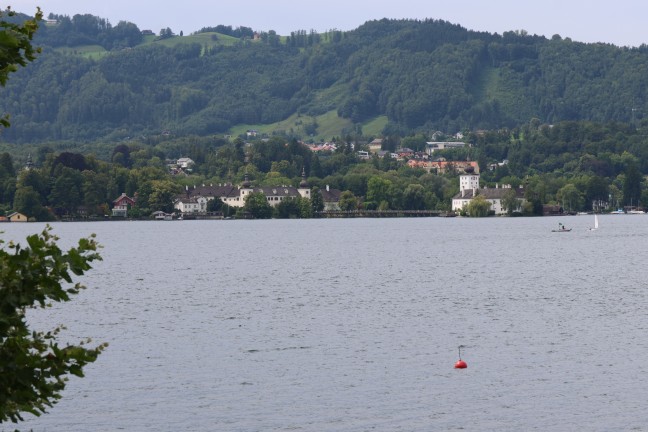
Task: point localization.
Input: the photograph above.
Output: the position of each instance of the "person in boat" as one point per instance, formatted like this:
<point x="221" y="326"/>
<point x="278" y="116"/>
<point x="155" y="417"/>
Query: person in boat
<point x="561" y="227"/>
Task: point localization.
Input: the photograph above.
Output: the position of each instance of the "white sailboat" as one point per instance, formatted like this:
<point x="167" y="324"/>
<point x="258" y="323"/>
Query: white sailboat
<point x="595" y="223"/>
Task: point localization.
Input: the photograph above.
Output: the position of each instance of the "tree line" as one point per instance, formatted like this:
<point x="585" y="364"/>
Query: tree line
<point x="576" y="165"/>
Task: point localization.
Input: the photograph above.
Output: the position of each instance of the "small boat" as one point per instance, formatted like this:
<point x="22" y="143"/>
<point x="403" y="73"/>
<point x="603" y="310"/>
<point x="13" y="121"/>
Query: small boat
<point x="618" y="211"/>
<point x="595" y="223"/>
<point x="561" y="228"/>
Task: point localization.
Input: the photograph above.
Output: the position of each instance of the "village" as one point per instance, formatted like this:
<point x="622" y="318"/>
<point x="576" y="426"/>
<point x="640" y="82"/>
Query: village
<point x="193" y="202"/>
<point x="226" y="200"/>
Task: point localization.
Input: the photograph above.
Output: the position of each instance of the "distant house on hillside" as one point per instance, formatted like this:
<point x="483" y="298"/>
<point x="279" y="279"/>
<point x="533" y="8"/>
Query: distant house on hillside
<point x="375" y="146"/>
<point x="121" y="205"/>
<point x="185" y="163"/>
<point x="443" y="166"/>
<point x="432" y="146"/>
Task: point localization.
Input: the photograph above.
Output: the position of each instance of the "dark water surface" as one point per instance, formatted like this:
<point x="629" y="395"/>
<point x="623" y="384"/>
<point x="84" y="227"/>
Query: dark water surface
<point x="353" y="325"/>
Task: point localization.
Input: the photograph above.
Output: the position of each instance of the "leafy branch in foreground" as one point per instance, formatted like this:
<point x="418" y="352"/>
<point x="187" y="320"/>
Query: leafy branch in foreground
<point x="34" y="368"/>
<point x="15" y="47"/>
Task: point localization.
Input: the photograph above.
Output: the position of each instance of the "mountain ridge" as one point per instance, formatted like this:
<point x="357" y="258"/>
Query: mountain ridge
<point x="420" y="75"/>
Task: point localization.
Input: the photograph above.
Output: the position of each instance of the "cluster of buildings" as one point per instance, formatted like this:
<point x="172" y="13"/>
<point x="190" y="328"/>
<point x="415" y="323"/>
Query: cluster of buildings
<point x="469" y="189"/>
<point x="194" y="199"/>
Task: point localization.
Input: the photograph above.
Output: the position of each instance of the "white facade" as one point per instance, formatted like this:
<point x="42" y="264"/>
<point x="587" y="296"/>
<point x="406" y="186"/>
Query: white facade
<point x="468" y="182"/>
<point x="236" y="197"/>
<point x="432" y="146"/>
<point x="185" y="163"/>
<point x="469" y="189"/>
<point x="274" y="195"/>
<point x="192" y="205"/>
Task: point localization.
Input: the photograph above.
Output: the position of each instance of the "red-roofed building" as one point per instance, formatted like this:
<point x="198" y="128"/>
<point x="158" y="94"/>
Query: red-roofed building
<point x="121" y="205"/>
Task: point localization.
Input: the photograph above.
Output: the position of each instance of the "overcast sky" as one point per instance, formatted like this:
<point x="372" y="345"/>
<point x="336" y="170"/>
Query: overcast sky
<point x="620" y="22"/>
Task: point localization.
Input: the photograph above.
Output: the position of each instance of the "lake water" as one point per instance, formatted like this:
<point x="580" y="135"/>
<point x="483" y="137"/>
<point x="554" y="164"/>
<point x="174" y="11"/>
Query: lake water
<point x="354" y="324"/>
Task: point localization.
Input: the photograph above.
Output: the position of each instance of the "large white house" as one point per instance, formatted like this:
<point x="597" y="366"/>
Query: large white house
<point x="195" y="199"/>
<point x="469" y="189"/>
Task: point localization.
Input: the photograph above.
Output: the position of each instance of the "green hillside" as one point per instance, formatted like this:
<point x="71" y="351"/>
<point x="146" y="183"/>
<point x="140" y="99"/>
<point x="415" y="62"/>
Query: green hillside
<point x="99" y="82"/>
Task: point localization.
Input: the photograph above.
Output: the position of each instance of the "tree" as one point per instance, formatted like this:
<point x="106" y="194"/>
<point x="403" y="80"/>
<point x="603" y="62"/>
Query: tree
<point x="257" y="205"/>
<point x="414" y="197"/>
<point x="289" y="208"/>
<point x="15" y="47"/>
<point x="28" y="202"/>
<point x="162" y="193"/>
<point x="94" y="192"/>
<point x="596" y="192"/>
<point x="479" y="206"/>
<point x="316" y="200"/>
<point x="33" y="366"/>
<point x="510" y="202"/>
<point x="67" y="193"/>
<point x="305" y="208"/>
<point x="165" y="33"/>
<point x="570" y="197"/>
<point x="378" y="190"/>
<point x="348" y="201"/>
<point x="632" y="185"/>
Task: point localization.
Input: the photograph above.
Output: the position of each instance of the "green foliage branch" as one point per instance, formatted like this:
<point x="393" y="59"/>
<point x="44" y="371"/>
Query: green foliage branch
<point x="15" y="47"/>
<point x="34" y="368"/>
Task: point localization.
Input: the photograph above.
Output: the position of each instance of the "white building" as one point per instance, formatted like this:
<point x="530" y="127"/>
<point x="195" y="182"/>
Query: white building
<point x="195" y="199"/>
<point x="195" y="204"/>
<point x="185" y="163"/>
<point x="469" y="189"/>
<point x="432" y="146"/>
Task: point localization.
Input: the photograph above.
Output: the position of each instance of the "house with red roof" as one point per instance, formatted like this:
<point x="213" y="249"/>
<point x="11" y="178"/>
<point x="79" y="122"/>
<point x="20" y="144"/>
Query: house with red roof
<point x="121" y="205"/>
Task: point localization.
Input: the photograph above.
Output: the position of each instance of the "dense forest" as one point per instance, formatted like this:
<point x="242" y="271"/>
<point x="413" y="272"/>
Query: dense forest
<point x="105" y="108"/>
<point x="421" y="75"/>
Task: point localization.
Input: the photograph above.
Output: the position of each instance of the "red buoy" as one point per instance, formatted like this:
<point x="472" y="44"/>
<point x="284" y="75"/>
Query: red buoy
<point x="460" y="363"/>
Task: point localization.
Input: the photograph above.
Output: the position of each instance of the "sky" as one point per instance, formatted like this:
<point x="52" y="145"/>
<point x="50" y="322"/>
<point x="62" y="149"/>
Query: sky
<point x="619" y="22"/>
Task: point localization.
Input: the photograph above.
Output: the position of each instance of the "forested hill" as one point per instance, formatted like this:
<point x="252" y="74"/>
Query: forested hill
<point x="95" y="81"/>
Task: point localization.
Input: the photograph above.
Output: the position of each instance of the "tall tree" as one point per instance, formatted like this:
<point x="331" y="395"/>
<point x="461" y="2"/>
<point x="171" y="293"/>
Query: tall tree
<point x="257" y="206"/>
<point x="28" y="202"/>
<point x="632" y="185"/>
<point x="316" y="199"/>
<point x="510" y="202"/>
<point x="378" y="191"/>
<point x="348" y="201"/>
<point x="479" y="206"/>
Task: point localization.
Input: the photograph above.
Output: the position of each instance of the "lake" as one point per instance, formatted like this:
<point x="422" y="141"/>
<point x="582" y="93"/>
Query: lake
<point x="354" y="325"/>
